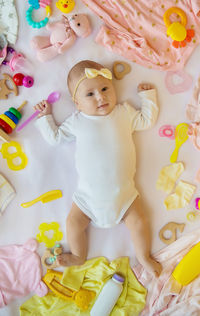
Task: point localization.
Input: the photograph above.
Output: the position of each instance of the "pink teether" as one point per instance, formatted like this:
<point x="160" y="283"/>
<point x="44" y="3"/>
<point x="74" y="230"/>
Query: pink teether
<point x="167" y="131"/>
<point x="181" y="87"/>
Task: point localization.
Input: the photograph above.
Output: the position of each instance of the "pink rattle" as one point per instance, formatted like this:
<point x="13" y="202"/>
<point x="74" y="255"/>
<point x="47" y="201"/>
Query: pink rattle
<point x="53" y="97"/>
<point x="167" y="131"/>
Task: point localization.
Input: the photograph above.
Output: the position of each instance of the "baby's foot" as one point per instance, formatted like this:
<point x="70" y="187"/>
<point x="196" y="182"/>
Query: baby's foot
<point x="68" y="259"/>
<point x="152" y="266"/>
<point x="144" y="86"/>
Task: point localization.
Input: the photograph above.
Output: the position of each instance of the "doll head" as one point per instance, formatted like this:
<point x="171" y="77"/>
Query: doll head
<point x="80" y="25"/>
<point x="91" y="87"/>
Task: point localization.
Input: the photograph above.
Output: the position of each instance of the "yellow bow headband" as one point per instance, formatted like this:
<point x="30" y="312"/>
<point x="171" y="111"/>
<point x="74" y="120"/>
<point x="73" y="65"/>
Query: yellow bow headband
<point x="91" y="73"/>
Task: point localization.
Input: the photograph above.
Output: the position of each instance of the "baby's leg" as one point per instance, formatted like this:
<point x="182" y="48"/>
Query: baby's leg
<point x="76" y="226"/>
<point x="137" y="224"/>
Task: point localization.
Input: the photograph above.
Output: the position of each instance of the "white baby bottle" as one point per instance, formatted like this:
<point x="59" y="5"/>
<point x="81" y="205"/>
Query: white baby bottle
<point x="108" y="296"/>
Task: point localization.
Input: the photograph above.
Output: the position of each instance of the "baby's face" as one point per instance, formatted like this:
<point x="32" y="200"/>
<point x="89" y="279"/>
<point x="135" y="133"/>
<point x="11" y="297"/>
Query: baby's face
<point x="96" y="96"/>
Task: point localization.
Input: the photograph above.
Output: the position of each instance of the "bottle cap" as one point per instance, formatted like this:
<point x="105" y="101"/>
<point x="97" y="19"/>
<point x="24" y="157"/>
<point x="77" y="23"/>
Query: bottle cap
<point x="118" y="278"/>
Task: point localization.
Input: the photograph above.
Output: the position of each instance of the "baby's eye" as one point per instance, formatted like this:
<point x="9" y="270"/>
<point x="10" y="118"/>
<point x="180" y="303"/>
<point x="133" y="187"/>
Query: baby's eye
<point x="104" y="89"/>
<point x="90" y="94"/>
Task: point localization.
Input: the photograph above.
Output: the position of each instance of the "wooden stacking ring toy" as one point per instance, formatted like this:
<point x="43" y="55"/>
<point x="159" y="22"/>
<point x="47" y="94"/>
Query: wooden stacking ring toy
<point x="10" y="119"/>
<point x="171" y="226"/>
<point x="126" y="68"/>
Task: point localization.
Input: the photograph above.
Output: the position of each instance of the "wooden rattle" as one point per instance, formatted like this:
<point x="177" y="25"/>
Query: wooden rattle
<point x="126" y="68"/>
<point x="4" y="89"/>
<point x="171" y="226"/>
<point x="49" y="259"/>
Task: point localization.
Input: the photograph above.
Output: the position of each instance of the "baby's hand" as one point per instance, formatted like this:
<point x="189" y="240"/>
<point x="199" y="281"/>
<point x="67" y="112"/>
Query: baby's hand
<point x="44" y="107"/>
<point x="144" y="86"/>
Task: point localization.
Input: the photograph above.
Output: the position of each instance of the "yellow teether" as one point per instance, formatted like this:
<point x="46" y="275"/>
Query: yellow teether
<point x="11" y="156"/>
<point x="181" y="135"/>
<point x="42" y="237"/>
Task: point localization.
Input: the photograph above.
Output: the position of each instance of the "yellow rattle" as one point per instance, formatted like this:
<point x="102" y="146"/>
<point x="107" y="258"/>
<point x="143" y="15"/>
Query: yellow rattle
<point x="42" y="237"/>
<point x="11" y="156"/>
<point x="177" y="30"/>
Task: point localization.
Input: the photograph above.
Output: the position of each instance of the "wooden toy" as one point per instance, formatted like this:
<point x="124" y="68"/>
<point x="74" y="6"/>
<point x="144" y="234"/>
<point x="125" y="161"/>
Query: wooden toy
<point x="171" y="226"/>
<point x="10" y="118"/>
<point x="126" y="68"/>
<point x="49" y="257"/>
<point x="81" y="298"/>
<point x="4" y="137"/>
<point x="4" y="89"/>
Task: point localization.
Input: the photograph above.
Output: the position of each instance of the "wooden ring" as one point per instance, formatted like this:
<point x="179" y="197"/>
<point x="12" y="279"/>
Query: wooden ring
<point x="120" y="74"/>
<point x="171" y="226"/>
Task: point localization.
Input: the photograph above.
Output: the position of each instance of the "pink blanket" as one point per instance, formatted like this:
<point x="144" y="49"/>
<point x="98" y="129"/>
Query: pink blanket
<point x="161" y="299"/>
<point x="135" y="29"/>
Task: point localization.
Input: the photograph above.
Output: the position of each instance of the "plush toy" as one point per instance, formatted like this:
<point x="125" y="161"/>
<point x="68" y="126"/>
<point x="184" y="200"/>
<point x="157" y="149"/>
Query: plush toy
<point x="62" y="37"/>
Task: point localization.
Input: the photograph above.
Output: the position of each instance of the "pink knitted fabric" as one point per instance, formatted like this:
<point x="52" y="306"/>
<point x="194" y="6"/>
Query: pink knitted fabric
<point x="20" y="272"/>
<point x="135" y="29"/>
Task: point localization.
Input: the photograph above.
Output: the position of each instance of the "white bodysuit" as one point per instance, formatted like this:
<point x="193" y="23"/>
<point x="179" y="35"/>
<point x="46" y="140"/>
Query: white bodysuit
<point x="105" y="156"/>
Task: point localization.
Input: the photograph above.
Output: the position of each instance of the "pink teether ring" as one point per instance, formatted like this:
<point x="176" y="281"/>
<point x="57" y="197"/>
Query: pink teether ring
<point x="167" y="131"/>
<point x="181" y="87"/>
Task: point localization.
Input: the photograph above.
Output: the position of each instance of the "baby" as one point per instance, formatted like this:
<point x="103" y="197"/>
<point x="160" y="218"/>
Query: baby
<point x="105" y="159"/>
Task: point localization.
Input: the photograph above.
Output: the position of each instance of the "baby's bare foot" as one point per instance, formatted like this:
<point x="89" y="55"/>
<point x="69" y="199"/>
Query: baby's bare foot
<point x="144" y="86"/>
<point x="68" y="259"/>
<point x="152" y="266"/>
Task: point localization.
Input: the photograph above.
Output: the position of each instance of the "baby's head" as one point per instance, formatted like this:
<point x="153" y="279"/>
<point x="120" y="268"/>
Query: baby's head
<point x="91" y="88"/>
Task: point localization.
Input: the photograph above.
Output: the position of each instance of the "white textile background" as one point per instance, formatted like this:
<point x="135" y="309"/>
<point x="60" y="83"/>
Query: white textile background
<point x="53" y="167"/>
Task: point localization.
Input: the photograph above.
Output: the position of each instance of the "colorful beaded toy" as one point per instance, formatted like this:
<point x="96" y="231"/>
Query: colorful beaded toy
<point x="35" y="5"/>
<point x="10" y="118"/>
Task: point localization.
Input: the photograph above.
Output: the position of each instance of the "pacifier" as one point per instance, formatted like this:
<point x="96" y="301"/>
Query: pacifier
<point x="177" y="30"/>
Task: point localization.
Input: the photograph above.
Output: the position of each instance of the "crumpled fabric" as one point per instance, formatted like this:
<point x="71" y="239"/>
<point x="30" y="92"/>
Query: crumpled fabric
<point x="168" y="176"/>
<point x="163" y="298"/>
<point x="136" y="30"/>
<point x="7" y="193"/>
<point x="182" y="196"/>
<point x="8" y="20"/>
<point x="92" y="275"/>
<point x="194" y="134"/>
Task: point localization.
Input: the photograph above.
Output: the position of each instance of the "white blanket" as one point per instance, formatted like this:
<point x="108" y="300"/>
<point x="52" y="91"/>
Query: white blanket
<point x="52" y="168"/>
